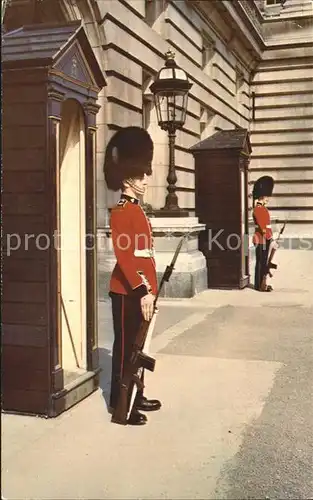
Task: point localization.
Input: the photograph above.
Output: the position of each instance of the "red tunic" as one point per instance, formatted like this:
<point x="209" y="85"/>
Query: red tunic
<point x="135" y="271"/>
<point x="262" y="220"/>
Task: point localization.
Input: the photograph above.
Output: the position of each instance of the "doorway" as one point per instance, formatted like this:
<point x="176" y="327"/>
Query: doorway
<point x="72" y="228"/>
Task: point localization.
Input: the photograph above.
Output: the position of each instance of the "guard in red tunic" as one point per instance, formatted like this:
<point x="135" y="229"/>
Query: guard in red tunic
<point x="263" y="235"/>
<point x="133" y="284"/>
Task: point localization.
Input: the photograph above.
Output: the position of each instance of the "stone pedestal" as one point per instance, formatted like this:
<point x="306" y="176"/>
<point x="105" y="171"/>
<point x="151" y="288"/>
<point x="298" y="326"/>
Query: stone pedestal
<point x="190" y="274"/>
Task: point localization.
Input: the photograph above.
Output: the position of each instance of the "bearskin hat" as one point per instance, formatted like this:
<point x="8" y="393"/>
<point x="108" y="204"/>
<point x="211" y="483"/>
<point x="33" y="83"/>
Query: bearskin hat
<point x="128" y="155"/>
<point x="263" y="187"/>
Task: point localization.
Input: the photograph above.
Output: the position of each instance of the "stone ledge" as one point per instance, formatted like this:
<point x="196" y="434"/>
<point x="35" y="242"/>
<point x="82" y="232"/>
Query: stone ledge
<point x="180" y="285"/>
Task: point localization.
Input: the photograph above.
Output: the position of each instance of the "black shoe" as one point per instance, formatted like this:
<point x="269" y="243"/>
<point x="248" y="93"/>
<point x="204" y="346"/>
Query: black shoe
<point x="137" y="418"/>
<point x="148" y="404"/>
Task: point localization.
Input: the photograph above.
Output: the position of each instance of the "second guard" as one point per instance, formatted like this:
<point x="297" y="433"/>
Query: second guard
<point x="263" y="235"/>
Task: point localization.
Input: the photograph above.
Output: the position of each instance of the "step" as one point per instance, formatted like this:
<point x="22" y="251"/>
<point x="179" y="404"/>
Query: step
<point x="287" y="100"/>
<point x="280" y="162"/>
<point x="287" y="124"/>
<point x="275" y="149"/>
<point x="281" y="137"/>
<point x="304" y="111"/>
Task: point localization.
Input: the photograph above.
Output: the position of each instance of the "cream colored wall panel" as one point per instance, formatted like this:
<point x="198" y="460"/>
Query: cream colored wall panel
<point x="282" y="175"/>
<point x="101" y="116"/>
<point x="262" y="113"/>
<point x="216" y="104"/>
<point x="101" y="193"/>
<point x="193" y="106"/>
<point x="134" y="47"/>
<point x="277" y="76"/>
<point x="185" y="140"/>
<point x="291" y="124"/>
<point x="284" y="100"/>
<point x="285" y="188"/>
<point x="222" y="79"/>
<point x="244" y="99"/>
<point x="185" y="179"/>
<point x="184" y="159"/>
<point x="102" y="219"/>
<point x="284" y="149"/>
<point x="186" y="200"/>
<point x="138" y="5"/>
<point x="275" y="87"/>
<point x="192" y="124"/>
<point x="291" y="201"/>
<point x="281" y="137"/>
<point x="224" y="65"/>
<point x="287" y="53"/>
<point x="124" y="117"/>
<point x="124" y="66"/>
<point x="102" y="137"/>
<point x="119" y="37"/>
<point x="174" y="15"/>
<point x="161" y="150"/>
<point x="304" y="64"/>
<point x="124" y="91"/>
<point x="156" y="197"/>
<point x="158" y="177"/>
<point x="183" y="43"/>
<point x="99" y="165"/>
<point x="297" y="215"/>
<point x="223" y="124"/>
<point x="280" y="162"/>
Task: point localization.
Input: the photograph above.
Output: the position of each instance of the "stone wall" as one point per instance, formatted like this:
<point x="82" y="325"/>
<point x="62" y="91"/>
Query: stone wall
<point x="282" y="132"/>
<point x="137" y="34"/>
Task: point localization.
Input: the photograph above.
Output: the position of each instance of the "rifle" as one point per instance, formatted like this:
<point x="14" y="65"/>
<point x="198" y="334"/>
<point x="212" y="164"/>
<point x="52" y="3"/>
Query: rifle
<point x="140" y="360"/>
<point x="272" y="251"/>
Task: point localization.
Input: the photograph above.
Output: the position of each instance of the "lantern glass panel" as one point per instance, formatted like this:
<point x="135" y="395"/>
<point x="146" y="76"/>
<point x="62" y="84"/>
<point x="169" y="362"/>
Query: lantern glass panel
<point x="166" y="73"/>
<point x="180" y="74"/>
<point x="171" y="108"/>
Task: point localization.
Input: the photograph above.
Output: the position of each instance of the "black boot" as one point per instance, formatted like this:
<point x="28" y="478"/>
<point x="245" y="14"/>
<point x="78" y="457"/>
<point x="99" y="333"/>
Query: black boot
<point x="137" y="418"/>
<point x="145" y="404"/>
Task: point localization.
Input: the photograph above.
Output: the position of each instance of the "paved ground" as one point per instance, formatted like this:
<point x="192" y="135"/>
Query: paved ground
<point x="234" y="372"/>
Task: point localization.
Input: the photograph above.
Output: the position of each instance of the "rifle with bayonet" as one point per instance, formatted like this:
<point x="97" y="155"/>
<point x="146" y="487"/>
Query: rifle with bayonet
<point x="272" y="250"/>
<point x="140" y="360"/>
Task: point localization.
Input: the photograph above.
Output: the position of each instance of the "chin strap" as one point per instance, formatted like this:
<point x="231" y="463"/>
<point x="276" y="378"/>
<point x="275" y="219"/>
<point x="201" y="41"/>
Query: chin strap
<point x="136" y="189"/>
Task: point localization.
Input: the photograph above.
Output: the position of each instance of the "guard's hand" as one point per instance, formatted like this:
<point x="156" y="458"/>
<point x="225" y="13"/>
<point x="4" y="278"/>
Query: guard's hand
<point x="147" y="306"/>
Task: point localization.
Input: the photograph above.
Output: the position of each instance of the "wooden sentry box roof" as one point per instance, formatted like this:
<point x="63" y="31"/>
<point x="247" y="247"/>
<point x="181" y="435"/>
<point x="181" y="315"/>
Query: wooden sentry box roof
<point x="237" y="138"/>
<point x="44" y="45"/>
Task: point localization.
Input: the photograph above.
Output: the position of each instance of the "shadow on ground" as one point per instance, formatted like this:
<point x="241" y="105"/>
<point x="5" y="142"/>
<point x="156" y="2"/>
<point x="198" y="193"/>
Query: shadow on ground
<point x="105" y="361"/>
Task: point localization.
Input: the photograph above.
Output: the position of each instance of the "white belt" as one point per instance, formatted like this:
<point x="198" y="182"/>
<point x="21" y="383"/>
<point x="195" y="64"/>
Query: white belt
<point x="146" y="253"/>
<point x="268" y="226"/>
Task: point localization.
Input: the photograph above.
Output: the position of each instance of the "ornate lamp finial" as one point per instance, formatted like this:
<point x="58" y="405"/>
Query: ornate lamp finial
<point x="169" y="55"/>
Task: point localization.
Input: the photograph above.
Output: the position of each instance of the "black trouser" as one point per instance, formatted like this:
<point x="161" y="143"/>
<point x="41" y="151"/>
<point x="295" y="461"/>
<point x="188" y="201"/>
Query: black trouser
<point x="127" y="318"/>
<point x="261" y="269"/>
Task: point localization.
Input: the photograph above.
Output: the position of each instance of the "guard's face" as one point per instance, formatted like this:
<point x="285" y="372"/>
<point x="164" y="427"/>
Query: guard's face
<point x="265" y="200"/>
<point x="138" y="184"/>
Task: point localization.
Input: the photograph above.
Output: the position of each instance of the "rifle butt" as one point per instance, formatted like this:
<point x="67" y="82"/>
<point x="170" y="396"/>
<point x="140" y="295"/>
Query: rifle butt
<point x="119" y="415"/>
